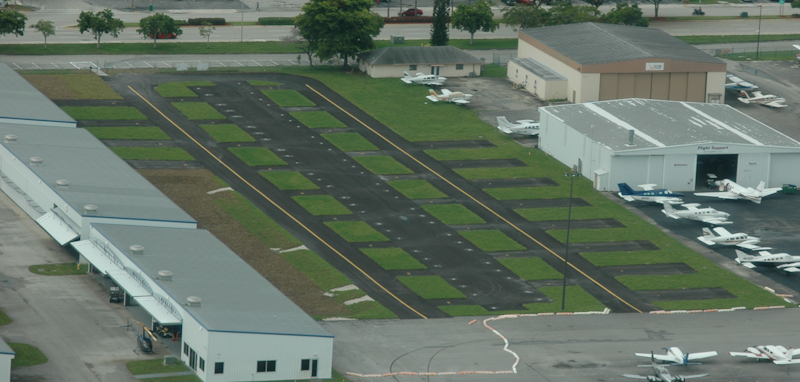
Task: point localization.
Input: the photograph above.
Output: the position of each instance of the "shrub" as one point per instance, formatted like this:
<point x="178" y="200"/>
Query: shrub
<point x="212" y="20"/>
<point x="417" y="19"/>
<point x="276" y="21"/>
<point x="181" y="22"/>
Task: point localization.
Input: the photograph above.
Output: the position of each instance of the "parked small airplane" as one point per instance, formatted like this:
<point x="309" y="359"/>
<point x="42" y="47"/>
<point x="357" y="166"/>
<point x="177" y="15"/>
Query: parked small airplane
<point x="705" y="215"/>
<point x="662" y="375"/>
<point x="424" y="79"/>
<point x="730" y="190"/>
<point x="454" y="97"/>
<point x="738" y="84"/>
<point x="770" y="100"/>
<point x="769" y="259"/>
<point x="650" y="194"/>
<point x="777" y="354"/>
<point x="675" y="356"/>
<point x="741" y="240"/>
<point x="797" y="56"/>
<point x="523" y="126"/>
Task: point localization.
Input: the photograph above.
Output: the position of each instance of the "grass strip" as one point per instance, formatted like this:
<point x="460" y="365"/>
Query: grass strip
<point x="257" y="222"/>
<point x="289" y="180"/>
<point x="180" y="88"/>
<point x="470" y="154"/>
<point x="225" y="133"/>
<point x="383" y="165"/>
<point x="5" y="319"/>
<point x="154" y="366"/>
<point x="453" y="214"/>
<point x="522" y="193"/>
<point x="257" y="156"/>
<point x="393" y="259"/>
<point x="58" y="269"/>
<point x="27" y="355"/>
<point x="110" y="113"/>
<point x="577" y="301"/>
<point x="197" y="110"/>
<point x="531" y="268"/>
<point x="288" y="98"/>
<point x="264" y="83"/>
<point x="764" y="55"/>
<point x="152" y="153"/>
<point x="562" y="213"/>
<point x="317" y="119"/>
<point x="349" y="142"/>
<point x="356" y="231"/>
<point x="72" y="86"/>
<point x="321" y="205"/>
<point x="129" y="133"/>
<point x="720" y="39"/>
<point x="491" y="240"/>
<point x="417" y="189"/>
<point x="430" y="287"/>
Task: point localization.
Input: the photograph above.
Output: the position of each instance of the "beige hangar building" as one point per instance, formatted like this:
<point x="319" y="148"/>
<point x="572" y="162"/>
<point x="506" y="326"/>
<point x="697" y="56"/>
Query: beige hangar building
<point x="590" y="62"/>
<point x="446" y="61"/>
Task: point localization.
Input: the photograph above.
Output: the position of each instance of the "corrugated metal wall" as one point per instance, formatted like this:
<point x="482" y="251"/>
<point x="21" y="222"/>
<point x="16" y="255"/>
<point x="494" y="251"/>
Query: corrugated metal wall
<point x="679" y="172"/>
<point x="628" y="169"/>
<point x="783" y="168"/>
<point x="666" y="86"/>
<point x="5" y="367"/>
<point x="655" y="173"/>
<point x="752" y="169"/>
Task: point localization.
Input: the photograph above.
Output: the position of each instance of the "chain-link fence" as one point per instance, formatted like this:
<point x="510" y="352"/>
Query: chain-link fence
<point x="163" y="64"/>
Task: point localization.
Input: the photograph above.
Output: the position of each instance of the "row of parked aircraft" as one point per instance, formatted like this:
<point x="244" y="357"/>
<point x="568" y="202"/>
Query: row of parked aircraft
<point x="742" y="86"/>
<point x="728" y="189"/>
<point x="457" y="98"/>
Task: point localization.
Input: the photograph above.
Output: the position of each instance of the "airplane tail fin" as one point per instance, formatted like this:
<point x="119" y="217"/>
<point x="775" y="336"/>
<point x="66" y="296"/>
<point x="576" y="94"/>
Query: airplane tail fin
<point x="406" y="75"/>
<point x="625" y="189"/>
<point x="761" y="186"/>
<point x="707" y="233"/>
<point x="669" y="210"/>
<point x="433" y="93"/>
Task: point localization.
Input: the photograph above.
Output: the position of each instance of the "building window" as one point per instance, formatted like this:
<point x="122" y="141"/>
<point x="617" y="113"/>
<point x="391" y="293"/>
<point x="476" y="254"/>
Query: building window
<point x="459" y="66"/>
<point x="185" y="348"/>
<point x="305" y="365"/>
<point x="272" y="365"/>
<point x="261" y="366"/>
<point x="202" y="364"/>
<point x="219" y="367"/>
<point x="412" y="67"/>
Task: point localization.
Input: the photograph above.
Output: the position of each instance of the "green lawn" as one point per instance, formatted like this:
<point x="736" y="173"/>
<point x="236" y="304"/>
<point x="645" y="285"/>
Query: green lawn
<point x="531" y="268"/>
<point x="497" y="71"/>
<point x="258" y="223"/>
<point x="764" y="55"/>
<point x="264" y="83"/>
<point x="383" y="165"/>
<point x="59" y="269"/>
<point x="430" y="287"/>
<point x="27" y="355"/>
<point x="288" y="98"/>
<point x="317" y="119"/>
<point x="392" y="259"/>
<point x="356" y="231"/>
<point x="289" y="180"/>
<point x="129" y="132"/>
<point x="4" y="319"/>
<point x="720" y="39"/>
<point x="349" y="142"/>
<point x="110" y="113"/>
<point x="453" y="214"/>
<point x="520" y="193"/>
<point x="321" y="205"/>
<point x="180" y="88"/>
<point x="152" y="153"/>
<point x="470" y="154"/>
<point x="417" y="189"/>
<point x="500" y="173"/>
<point x="257" y="156"/>
<point x="72" y="86"/>
<point x="561" y="213"/>
<point x="577" y="301"/>
<point x="491" y="240"/>
<point x="226" y="133"/>
<point x="154" y="366"/>
<point x="197" y="110"/>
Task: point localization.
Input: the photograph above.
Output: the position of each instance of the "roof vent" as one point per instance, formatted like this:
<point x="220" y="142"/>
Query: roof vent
<point x="11" y="138"/>
<point x="631" y="134"/>
<point x="62" y="183"/>
<point x="165" y="275"/>
<point x="36" y="161"/>
<point x="90" y="209"/>
<point x="193" y="301"/>
<point x="137" y="249"/>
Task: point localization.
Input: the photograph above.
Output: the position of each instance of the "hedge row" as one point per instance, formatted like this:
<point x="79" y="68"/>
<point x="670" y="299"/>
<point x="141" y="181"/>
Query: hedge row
<point x="276" y="21"/>
<point x="408" y="19"/>
<point x="212" y="20"/>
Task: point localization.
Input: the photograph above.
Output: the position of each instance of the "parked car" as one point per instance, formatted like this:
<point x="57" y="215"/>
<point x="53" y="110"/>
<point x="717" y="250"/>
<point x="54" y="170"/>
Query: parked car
<point x="165" y="35"/>
<point x="411" y="12"/>
<point x="512" y="3"/>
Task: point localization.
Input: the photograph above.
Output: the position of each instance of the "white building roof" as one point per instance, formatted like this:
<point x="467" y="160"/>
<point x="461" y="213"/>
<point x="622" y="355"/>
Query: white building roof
<point x="658" y="123"/>
<point x="5" y="349"/>
<point x="20" y="102"/>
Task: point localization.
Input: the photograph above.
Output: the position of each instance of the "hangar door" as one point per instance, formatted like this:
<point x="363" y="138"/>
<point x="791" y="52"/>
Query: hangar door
<point x="783" y="169"/>
<point x="667" y="86"/>
<point x="753" y="168"/>
<point x="679" y="172"/>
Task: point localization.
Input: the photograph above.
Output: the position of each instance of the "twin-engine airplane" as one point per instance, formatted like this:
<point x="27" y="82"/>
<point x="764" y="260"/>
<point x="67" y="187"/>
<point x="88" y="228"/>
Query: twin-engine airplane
<point x="705" y="215"/>
<point x="662" y="375"/>
<point x="738" y="84"/>
<point x="730" y="190"/>
<point x="770" y="100"/>
<point x="675" y="356"/>
<point x="784" y="261"/>
<point x="523" y="126"/>
<point x="454" y="97"/>
<point x="777" y="354"/>
<point x="741" y="240"/>
<point x="424" y="79"/>
<point x="650" y="194"/>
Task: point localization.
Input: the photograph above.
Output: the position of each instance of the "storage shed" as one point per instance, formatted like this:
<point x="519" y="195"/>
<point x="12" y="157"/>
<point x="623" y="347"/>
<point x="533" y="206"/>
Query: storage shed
<point x="6" y="355"/>
<point x="23" y="104"/>
<point x="447" y="61"/>
<point x="669" y="143"/>
<point x="606" y="61"/>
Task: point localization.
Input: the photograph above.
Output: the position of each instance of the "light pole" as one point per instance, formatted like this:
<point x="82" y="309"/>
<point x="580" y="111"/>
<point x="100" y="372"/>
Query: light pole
<point x="571" y="175"/>
<point x="758" y="41"/>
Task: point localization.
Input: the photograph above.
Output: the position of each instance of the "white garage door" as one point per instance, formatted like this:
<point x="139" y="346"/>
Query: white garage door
<point x="679" y="172"/>
<point x="752" y="169"/>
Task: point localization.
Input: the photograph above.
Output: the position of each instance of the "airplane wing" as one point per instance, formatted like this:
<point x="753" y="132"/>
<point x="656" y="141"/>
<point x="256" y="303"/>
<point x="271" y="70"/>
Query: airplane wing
<point x="705" y="241"/>
<point x="692" y="376"/>
<point x="714" y="221"/>
<point x="752" y="247"/>
<point x="701" y="355"/>
<point x="432" y="83"/>
<point x="721" y="195"/>
<point x="626" y="197"/>
<point x="461" y="101"/>
<point x="787" y="362"/>
<point x="770" y="191"/>
<point x="691" y="206"/>
<point x="634" y="376"/>
<point x="504" y="129"/>
<point x="721" y="231"/>
<point x="406" y="80"/>
<point x="746" y="354"/>
<point x="776" y="104"/>
<point x="525" y="121"/>
<point x="660" y="357"/>
<point x="791" y="267"/>
<point x="432" y="98"/>
<point x="647" y="187"/>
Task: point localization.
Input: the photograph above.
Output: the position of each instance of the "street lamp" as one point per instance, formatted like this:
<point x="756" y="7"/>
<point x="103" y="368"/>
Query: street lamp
<point x="758" y="41"/>
<point x="571" y="175"/>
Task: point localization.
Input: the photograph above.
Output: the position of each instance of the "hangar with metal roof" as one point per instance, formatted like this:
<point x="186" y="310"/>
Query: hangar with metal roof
<point x="606" y="61"/>
<point x="6" y="355"/>
<point x="669" y="143"/>
<point x="447" y="61"/>
<point x="23" y="104"/>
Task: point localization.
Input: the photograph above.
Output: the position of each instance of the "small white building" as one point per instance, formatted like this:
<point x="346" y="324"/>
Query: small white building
<point x="668" y="143"/>
<point x="6" y="355"/>
<point x="235" y="325"/>
<point x="446" y="61"/>
<point x="21" y="103"/>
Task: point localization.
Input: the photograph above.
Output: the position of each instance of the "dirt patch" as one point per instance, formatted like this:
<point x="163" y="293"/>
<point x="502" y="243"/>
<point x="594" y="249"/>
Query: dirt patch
<point x="52" y="87"/>
<point x="72" y="86"/>
<point x="188" y="188"/>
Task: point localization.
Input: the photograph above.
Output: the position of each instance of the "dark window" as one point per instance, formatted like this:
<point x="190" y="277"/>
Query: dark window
<point x="305" y="364"/>
<point x="271" y="365"/>
<point x="410" y="67"/>
<point x="219" y="367"/>
<point x="185" y="348"/>
<point x="202" y="364"/>
<point x="459" y="66"/>
<point x="261" y="366"/>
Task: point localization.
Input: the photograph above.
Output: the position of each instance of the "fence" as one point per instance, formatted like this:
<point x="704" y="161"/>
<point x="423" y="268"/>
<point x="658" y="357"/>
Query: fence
<point x="163" y="64"/>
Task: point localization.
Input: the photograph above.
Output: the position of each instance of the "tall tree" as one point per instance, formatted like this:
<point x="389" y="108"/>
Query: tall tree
<point x="100" y="23"/>
<point x="206" y="30"/>
<point x="474" y="17"/>
<point x="156" y="25"/>
<point x="526" y="16"/>
<point x="624" y="14"/>
<point x="440" y="36"/>
<point x="339" y="28"/>
<point x="296" y="39"/>
<point x="12" y="22"/>
<point x="656" y="3"/>
<point x="46" y="28"/>
<point x="566" y="13"/>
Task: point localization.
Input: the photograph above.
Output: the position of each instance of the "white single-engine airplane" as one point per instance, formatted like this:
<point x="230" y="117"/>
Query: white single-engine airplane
<point x="728" y="189"/>
<point x="770" y="100"/>
<point x="454" y="97"/>
<point x="650" y="194"/>
<point x="523" y="126"/>
<point x="741" y="240"/>
<point x="424" y="79"/>
<point x="705" y="215"/>
<point x="765" y="258"/>
<point x="777" y="354"/>
<point x="675" y="356"/>
<point x="738" y="84"/>
<point x="662" y="375"/>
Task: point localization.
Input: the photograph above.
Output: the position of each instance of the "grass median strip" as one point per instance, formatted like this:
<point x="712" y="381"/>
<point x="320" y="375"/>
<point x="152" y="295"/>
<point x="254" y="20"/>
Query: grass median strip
<point x="197" y="110"/>
<point x="154" y="366"/>
<point x="430" y="287"/>
<point x="383" y="165"/>
<point x="129" y="133"/>
<point x="417" y="189"/>
<point x="349" y="142"/>
<point x="58" y="269"/>
<point x="453" y="214"/>
<point x="561" y="213"/>
<point x="356" y="231"/>
<point x="577" y="301"/>
<point x="491" y="240"/>
<point x="317" y="119"/>
<point x="257" y="156"/>
<point x="180" y="88"/>
<point x="152" y="153"/>
<point x="26" y="355"/>
<point x="72" y="86"/>
<point x="289" y="180"/>
<point x="321" y="205"/>
<point x="393" y="259"/>
<point x="531" y="268"/>
<point x="110" y="113"/>
<point x="264" y="83"/>
<point x="225" y="133"/>
<point x="4" y="319"/>
<point x="288" y="98"/>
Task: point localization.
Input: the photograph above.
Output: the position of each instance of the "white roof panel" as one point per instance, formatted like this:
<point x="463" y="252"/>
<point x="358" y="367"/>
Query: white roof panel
<point x="57" y="228"/>
<point x="158" y="311"/>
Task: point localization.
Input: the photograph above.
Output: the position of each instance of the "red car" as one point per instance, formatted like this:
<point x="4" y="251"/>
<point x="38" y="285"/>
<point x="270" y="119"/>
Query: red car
<point x="165" y="35"/>
<point x="411" y="12"/>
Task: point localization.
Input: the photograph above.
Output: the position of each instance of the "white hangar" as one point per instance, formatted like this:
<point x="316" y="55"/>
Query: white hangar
<point x="669" y="143"/>
<point x="6" y="355"/>
<point x="21" y="103"/>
